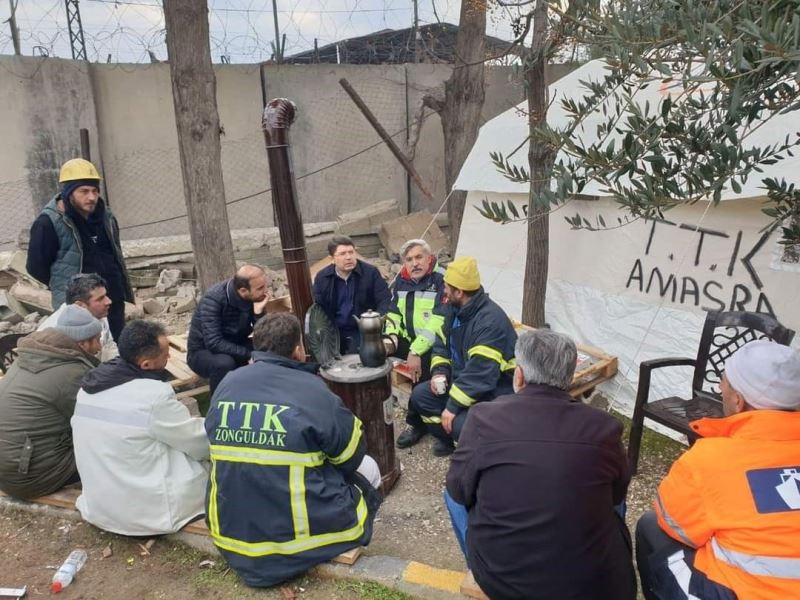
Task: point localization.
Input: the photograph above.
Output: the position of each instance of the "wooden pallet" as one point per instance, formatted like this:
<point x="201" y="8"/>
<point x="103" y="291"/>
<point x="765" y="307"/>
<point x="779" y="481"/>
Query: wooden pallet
<point x="594" y="366"/>
<point x="183" y="377"/>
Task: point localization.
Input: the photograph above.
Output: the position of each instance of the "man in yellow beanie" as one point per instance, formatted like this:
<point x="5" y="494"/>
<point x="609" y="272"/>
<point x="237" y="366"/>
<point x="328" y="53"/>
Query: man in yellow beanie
<point x="473" y="357"/>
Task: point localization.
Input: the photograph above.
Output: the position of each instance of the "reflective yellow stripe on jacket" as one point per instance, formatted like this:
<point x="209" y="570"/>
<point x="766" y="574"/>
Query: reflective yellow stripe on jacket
<point x="440" y="360"/>
<point x="352" y="445"/>
<point x="492" y="354"/>
<point x="297" y="463"/>
<point x="461" y="397"/>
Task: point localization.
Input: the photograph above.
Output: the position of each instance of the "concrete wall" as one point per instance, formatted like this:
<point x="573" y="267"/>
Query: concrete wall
<point x="339" y="161"/>
<point x="43" y="105"/>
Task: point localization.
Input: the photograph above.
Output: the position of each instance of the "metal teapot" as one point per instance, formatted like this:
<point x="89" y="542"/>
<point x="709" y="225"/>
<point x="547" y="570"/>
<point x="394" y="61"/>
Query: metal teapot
<point x="370" y="327"/>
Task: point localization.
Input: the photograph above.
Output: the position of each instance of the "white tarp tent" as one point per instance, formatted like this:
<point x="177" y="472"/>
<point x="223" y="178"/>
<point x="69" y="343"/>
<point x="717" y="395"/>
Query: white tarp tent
<point x="639" y="291"/>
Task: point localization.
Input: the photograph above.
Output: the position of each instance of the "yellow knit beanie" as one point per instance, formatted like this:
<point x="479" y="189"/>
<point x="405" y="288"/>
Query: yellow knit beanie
<point x="463" y="274"/>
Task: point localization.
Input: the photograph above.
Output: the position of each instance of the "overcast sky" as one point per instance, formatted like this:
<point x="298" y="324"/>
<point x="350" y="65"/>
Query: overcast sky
<point x="241" y="30"/>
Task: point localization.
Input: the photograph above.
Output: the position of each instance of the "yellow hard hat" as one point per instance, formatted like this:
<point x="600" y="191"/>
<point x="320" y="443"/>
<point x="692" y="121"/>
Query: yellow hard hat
<point x="463" y="274"/>
<point x="77" y="168"/>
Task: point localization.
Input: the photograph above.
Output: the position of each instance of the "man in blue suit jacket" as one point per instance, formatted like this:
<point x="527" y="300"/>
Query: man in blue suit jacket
<point x="348" y="287"/>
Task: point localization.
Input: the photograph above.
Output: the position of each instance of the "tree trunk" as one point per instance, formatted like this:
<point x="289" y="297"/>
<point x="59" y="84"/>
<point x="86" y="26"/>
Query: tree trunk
<point x="194" y="93"/>
<point x="463" y="103"/>
<point x="540" y="160"/>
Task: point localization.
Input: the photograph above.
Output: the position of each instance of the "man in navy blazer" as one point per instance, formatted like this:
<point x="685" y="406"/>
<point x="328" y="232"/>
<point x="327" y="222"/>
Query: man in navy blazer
<point x="348" y="287"/>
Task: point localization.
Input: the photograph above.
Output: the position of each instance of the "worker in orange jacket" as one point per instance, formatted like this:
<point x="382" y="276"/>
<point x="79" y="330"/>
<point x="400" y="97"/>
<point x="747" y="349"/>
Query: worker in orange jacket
<point x="727" y="515"/>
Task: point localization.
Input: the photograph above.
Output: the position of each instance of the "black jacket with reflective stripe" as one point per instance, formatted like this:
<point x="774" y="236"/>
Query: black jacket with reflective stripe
<point x="284" y="451"/>
<point x="476" y="350"/>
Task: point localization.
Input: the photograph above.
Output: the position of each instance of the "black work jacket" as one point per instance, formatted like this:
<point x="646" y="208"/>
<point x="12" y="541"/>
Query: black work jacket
<point x="475" y="348"/>
<point x="284" y="494"/>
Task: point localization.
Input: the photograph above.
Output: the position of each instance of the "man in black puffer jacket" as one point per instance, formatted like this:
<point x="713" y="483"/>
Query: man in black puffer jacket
<point x="219" y="337"/>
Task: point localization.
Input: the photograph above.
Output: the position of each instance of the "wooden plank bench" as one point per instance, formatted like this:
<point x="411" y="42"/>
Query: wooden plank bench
<point x="185" y="382"/>
<point x="594" y="366"/>
<point x="66" y="497"/>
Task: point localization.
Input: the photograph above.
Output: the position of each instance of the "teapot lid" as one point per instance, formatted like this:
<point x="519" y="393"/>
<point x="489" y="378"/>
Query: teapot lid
<point x="370" y="314"/>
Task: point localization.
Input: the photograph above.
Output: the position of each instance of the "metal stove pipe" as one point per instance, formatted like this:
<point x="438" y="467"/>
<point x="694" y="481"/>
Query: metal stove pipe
<point x="279" y="114"/>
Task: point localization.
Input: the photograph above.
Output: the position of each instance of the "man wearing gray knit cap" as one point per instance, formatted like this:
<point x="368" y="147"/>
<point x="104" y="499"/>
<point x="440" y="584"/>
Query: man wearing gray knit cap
<point x="37" y="399"/>
<point x="727" y="515"/>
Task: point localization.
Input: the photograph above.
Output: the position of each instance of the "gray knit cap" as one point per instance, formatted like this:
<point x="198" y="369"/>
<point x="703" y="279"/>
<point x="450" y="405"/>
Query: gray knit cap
<point x="78" y="323"/>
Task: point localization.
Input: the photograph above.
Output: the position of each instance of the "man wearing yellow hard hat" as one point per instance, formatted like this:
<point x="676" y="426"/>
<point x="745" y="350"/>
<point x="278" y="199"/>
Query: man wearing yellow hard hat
<point x="76" y="233"/>
<point x="473" y="358"/>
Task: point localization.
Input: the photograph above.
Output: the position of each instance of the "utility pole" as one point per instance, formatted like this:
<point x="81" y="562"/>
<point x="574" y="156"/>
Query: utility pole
<point x="415" y="31"/>
<point x="12" y="22"/>
<point x="277" y="45"/>
<point x="194" y="94"/>
<point x="76" y="41"/>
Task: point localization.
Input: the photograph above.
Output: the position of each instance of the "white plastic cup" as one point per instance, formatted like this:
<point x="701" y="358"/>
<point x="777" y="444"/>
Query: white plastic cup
<point x="439" y="384"/>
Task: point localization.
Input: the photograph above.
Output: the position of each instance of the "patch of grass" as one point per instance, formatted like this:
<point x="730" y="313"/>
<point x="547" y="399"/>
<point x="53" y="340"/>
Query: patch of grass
<point x="367" y="590"/>
<point x="652" y="441"/>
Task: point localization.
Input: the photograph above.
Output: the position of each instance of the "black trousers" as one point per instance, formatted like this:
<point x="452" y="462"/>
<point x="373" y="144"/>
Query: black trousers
<point x="403" y="348"/>
<point x="116" y="317"/>
<point x="666" y="567"/>
<point x="213" y="366"/>
<point x="425" y="409"/>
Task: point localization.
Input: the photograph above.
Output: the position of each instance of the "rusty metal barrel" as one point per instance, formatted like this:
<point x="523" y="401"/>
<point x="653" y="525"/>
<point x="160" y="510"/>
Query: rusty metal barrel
<point x="367" y="391"/>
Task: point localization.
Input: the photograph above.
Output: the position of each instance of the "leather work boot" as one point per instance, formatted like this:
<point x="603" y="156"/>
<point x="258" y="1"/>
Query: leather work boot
<point x="410" y="436"/>
<point x="443" y="447"/>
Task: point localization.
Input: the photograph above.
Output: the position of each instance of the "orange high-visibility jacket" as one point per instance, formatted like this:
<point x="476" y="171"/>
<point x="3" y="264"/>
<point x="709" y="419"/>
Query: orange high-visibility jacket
<point x="735" y="496"/>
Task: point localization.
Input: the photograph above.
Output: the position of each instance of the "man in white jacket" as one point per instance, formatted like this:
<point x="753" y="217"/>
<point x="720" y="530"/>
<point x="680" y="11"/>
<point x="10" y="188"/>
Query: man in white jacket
<point x="88" y="290"/>
<point x="141" y="456"/>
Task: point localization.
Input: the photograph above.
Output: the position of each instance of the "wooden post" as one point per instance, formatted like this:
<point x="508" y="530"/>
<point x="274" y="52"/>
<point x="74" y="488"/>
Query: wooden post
<point x="86" y="150"/>
<point x="194" y="93"/>
<point x="384" y="135"/>
<point x="278" y="116"/>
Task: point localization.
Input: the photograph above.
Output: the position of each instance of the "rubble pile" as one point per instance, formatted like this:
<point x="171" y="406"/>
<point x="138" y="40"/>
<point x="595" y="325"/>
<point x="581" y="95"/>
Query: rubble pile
<point x="163" y="274"/>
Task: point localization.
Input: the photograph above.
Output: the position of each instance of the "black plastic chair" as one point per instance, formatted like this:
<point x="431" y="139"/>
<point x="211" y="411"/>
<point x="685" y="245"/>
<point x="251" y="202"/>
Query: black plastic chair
<point x="8" y="349"/>
<point x="723" y="334"/>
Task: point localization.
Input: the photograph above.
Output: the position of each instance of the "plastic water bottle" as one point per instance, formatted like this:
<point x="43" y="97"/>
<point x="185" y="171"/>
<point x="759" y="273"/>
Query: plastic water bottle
<point x="66" y="572"/>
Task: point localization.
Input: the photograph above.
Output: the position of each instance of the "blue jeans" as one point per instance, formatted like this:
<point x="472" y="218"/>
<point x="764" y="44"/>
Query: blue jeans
<point x="458" y="518"/>
<point x="459" y="514"/>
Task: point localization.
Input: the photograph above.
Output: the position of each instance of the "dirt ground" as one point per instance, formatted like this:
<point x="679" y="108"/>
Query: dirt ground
<point x="412" y="524"/>
<point x="34" y="544"/>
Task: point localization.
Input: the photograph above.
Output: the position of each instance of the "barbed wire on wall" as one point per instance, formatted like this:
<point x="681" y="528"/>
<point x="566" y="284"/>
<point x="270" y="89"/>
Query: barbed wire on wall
<point x="241" y="31"/>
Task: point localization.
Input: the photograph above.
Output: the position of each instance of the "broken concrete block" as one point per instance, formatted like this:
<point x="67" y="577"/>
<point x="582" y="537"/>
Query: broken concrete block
<point x="395" y="233"/>
<point x="178" y="305"/>
<point x="168" y="278"/>
<point x="186" y="290"/>
<point x="151" y="292"/>
<point x="133" y="311"/>
<point x="10" y="309"/>
<point x="368" y="220"/>
<point x="153" y="306"/>
<point x="143" y="277"/>
<point x="12" y="267"/>
<point x="33" y="297"/>
<point x="5" y="326"/>
<point x="32" y="317"/>
<point x="24" y="327"/>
